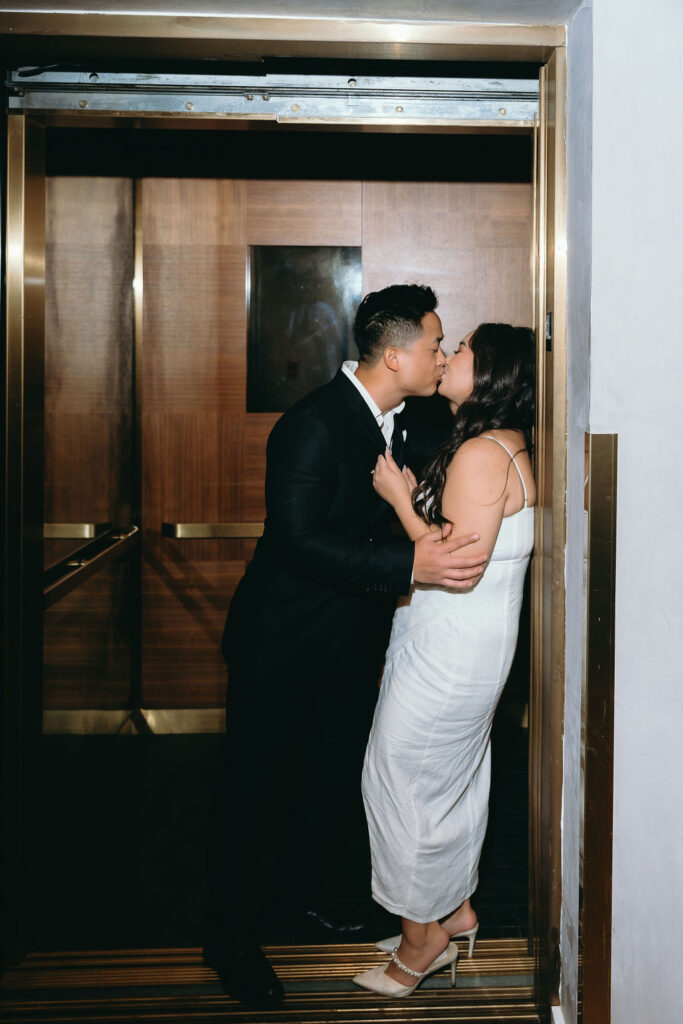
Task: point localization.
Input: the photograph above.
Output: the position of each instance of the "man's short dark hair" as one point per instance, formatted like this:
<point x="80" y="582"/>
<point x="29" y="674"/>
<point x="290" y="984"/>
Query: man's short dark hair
<point x="392" y="316"/>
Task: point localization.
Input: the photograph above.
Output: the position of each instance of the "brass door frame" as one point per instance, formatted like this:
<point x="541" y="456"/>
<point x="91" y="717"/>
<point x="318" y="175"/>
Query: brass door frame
<point x="425" y="42"/>
<point x="43" y="37"/>
<point x="22" y="536"/>
<point x="548" y="566"/>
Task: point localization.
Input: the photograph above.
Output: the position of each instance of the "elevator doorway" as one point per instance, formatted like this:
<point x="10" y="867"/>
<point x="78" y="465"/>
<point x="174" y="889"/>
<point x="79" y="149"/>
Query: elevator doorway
<point x="181" y="563"/>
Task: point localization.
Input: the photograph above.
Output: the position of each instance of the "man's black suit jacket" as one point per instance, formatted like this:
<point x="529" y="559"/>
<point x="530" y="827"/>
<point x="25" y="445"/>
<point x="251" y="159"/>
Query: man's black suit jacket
<point x="318" y="597"/>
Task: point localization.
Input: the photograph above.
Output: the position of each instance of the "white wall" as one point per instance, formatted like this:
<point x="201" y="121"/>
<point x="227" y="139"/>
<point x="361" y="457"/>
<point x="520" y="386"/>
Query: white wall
<point x="636" y="392"/>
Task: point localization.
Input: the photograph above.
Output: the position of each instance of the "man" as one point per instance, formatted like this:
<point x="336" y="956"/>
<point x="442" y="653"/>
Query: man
<point x="307" y="631"/>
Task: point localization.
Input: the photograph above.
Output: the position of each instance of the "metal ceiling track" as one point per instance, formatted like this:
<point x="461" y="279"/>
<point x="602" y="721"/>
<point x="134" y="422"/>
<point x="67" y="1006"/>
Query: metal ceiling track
<point x="280" y="98"/>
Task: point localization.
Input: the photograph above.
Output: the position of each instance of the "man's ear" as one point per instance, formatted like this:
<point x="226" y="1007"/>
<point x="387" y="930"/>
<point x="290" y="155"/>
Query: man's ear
<point x="390" y="358"/>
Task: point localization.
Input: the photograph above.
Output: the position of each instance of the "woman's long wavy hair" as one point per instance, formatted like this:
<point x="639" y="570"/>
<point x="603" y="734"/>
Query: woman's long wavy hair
<point x="503" y="397"/>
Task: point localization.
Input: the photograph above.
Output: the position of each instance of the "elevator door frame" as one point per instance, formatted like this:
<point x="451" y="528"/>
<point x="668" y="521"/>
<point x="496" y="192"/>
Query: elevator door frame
<point x="548" y="596"/>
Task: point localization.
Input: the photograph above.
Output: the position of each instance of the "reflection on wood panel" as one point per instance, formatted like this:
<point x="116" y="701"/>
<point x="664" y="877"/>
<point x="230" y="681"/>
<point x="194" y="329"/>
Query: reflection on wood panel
<point x="195" y="327"/>
<point x="88" y="428"/>
<point x="203" y="455"/>
<point x="186" y="599"/>
<point x="87" y="643"/>
<point x="88" y="350"/>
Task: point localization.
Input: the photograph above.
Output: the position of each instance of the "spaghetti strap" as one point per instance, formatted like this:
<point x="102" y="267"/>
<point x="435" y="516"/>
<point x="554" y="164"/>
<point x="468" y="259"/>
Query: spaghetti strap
<point x="513" y="459"/>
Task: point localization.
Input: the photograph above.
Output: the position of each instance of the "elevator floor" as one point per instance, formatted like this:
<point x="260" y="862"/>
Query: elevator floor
<point x="173" y="985"/>
<point x="123" y="833"/>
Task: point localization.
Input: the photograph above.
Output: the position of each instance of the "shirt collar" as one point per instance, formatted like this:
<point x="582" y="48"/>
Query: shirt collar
<point x="349" y="368"/>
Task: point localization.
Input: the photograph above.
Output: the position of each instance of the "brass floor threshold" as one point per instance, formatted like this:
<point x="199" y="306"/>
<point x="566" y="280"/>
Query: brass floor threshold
<point x="175" y="986"/>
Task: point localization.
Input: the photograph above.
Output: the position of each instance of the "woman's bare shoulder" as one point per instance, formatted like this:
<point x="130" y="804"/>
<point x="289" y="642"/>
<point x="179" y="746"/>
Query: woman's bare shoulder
<point x="480" y="469"/>
<point x="478" y="450"/>
<point x="478" y="472"/>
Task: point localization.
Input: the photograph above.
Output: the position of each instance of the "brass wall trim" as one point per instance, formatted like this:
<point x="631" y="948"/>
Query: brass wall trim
<point x="71" y="572"/>
<point x="74" y="531"/>
<point x="105" y="721"/>
<point x="211" y="531"/>
<point x="184" y="720"/>
<point x="242" y="38"/>
<point x="84" y="721"/>
<point x="136" y="489"/>
<point x="599" y="712"/>
<point x="22" y="519"/>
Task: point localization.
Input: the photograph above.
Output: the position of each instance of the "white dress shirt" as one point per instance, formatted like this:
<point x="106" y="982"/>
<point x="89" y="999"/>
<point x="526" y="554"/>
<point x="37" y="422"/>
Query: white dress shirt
<point x="385" y="420"/>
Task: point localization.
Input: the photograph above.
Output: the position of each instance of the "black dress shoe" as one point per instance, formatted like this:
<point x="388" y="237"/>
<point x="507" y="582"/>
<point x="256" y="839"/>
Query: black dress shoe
<point x="328" y="923"/>
<point x="318" y="927"/>
<point x="245" y="974"/>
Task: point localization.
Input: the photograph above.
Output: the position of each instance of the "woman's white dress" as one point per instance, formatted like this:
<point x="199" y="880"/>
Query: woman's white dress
<point x="427" y="766"/>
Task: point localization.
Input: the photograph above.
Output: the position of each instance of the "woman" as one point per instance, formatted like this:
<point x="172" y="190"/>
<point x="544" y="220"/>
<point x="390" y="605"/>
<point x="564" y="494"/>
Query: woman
<point x="427" y="766"/>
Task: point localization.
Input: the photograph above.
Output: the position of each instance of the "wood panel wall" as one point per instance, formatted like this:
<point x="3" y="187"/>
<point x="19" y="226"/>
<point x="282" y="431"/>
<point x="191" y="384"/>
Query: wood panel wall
<point x="88" y="428"/>
<point x="203" y="455"/>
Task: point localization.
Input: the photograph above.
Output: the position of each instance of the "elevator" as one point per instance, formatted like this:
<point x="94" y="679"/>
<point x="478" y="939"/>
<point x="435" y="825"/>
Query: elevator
<point x="152" y="463"/>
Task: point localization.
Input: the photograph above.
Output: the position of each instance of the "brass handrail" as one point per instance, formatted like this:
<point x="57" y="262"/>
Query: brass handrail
<point x="211" y="531"/>
<point x="74" y="531"/>
<point x="71" y="572"/>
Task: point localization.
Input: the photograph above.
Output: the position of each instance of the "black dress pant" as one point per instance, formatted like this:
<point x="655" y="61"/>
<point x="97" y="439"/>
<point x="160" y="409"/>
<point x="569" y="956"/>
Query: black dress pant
<point x="290" y="780"/>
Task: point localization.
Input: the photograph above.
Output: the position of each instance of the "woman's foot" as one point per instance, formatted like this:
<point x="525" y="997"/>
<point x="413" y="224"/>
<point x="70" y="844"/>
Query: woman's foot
<point x="418" y="950"/>
<point x="461" y="920"/>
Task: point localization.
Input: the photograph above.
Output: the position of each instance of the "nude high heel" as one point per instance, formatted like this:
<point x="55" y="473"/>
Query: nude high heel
<point x="376" y="980"/>
<point x="387" y="945"/>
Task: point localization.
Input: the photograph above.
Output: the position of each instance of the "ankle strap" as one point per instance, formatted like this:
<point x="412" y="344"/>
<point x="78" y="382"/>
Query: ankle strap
<point x="408" y="970"/>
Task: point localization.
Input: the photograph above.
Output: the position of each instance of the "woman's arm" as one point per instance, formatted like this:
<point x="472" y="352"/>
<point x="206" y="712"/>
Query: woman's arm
<point x="476" y="489"/>
<point x="395" y="487"/>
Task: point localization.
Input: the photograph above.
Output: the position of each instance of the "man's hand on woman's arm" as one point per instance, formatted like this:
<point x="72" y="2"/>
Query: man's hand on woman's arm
<point x="437" y="562"/>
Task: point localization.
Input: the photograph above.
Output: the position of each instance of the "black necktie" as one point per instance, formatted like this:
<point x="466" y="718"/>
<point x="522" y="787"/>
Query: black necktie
<point x="397" y="445"/>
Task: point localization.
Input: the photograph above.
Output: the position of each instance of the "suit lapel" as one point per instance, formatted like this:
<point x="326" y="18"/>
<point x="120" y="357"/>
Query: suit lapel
<point x="361" y="419"/>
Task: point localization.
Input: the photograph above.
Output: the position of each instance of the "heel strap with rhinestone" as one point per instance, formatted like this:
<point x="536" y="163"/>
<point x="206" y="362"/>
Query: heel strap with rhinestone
<point x="408" y="970"/>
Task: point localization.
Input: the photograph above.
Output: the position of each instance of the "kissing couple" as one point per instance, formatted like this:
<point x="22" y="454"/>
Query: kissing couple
<point x="314" y="619"/>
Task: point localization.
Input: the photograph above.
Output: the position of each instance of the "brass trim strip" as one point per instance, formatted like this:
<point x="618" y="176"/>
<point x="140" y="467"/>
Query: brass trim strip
<point x="50" y="37"/>
<point x="558" y="596"/>
<point x="22" y="514"/>
<point x="599" y="712"/>
<point x="160" y="721"/>
<point x="65" y="576"/>
<point x="74" y="531"/>
<point x="137" y="474"/>
<point x="396" y="34"/>
<point x="211" y="531"/>
<point x="84" y="721"/>
<point x="539" y="561"/>
<point x="549" y="607"/>
<point x="184" y="720"/>
<point x="138" y="309"/>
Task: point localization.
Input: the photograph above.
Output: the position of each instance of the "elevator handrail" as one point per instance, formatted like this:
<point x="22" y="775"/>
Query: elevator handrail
<point x="63" y="577"/>
<point x="74" y="531"/>
<point x="211" y="531"/>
